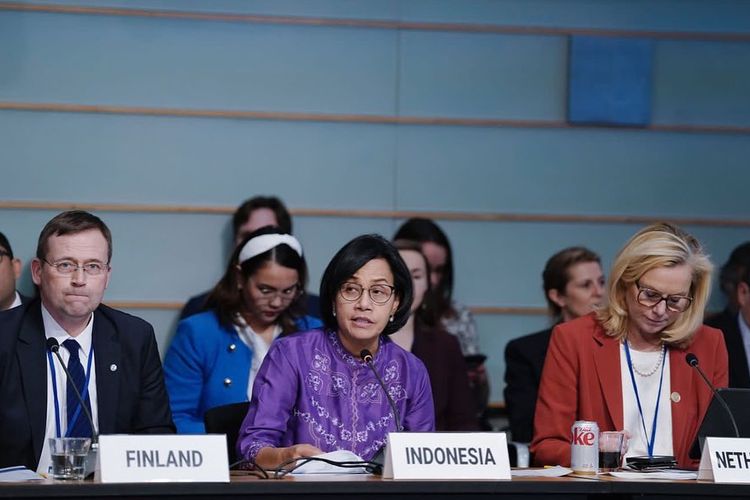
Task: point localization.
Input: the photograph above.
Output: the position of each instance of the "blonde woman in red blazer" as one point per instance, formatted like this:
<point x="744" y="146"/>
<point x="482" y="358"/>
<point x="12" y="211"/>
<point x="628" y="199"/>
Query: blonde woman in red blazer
<point x="600" y="366"/>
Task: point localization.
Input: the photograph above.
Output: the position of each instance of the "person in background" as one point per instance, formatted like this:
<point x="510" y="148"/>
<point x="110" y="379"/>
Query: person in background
<point x="216" y="354"/>
<point x="624" y="365"/>
<point x="734" y="320"/>
<point x="112" y="356"/>
<point x="251" y="215"/>
<point x="573" y="285"/>
<point x="439" y="351"/>
<point x="454" y="318"/>
<point x="10" y="271"/>
<point x="315" y="393"/>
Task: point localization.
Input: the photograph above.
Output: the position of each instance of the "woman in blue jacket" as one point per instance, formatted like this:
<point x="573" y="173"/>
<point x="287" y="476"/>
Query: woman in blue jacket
<point x="215" y="355"/>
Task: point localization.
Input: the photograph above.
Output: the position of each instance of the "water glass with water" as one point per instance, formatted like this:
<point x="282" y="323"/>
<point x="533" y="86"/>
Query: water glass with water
<point x="68" y="457"/>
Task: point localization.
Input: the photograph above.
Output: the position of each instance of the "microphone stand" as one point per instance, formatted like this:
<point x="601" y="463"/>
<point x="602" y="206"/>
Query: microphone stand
<point x="367" y="358"/>
<point x="379" y="457"/>
<point x="692" y="360"/>
<point x="90" y="464"/>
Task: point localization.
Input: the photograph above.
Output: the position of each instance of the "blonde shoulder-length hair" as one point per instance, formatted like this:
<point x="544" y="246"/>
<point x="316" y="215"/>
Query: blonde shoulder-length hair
<point x="658" y="245"/>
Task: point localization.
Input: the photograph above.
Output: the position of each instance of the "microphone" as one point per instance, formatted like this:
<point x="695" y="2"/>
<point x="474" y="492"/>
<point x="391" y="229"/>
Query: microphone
<point x="54" y="347"/>
<point x="692" y="360"/>
<point x="367" y="358"/>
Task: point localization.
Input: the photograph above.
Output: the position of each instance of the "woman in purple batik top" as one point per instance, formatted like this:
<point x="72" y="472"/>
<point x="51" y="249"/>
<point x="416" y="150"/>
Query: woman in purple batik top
<point x="314" y="393"/>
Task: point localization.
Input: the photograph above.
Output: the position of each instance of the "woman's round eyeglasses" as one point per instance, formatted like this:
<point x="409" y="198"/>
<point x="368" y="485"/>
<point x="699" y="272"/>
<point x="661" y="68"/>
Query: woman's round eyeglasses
<point x="379" y="294"/>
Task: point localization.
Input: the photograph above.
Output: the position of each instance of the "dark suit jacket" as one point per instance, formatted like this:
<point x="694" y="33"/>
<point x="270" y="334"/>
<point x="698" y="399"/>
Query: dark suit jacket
<point x="451" y="394"/>
<point x="131" y="397"/>
<point x="197" y="304"/>
<point x="524" y="360"/>
<point x="726" y="321"/>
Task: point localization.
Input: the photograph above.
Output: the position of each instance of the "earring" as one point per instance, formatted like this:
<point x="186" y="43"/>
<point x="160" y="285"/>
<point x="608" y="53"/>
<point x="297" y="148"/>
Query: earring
<point x="391" y="318"/>
<point x="334" y="312"/>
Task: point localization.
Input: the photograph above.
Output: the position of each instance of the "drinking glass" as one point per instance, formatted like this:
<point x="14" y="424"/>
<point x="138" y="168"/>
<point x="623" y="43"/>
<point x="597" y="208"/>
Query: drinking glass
<point x="610" y="450"/>
<point x="68" y="457"/>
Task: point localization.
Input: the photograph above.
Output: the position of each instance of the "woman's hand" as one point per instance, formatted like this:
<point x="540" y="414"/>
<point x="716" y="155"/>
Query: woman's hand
<point x="477" y="374"/>
<point x="625" y="442"/>
<point x="299" y="451"/>
<point x="271" y="458"/>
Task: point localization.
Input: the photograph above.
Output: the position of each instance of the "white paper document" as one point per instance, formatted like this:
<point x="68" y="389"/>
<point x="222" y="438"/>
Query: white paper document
<point x="662" y="474"/>
<point x="318" y="467"/>
<point x="18" y="474"/>
<point x="556" y="471"/>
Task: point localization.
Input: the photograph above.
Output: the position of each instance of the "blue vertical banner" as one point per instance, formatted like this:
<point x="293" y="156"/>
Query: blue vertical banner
<point x="609" y="81"/>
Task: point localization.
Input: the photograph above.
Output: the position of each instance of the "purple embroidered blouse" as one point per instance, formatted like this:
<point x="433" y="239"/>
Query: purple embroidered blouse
<point x="310" y="390"/>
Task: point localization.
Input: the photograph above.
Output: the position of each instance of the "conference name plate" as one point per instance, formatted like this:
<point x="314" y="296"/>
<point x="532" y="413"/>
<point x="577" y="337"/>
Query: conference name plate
<point x="162" y="458"/>
<point x="725" y="460"/>
<point x="447" y="455"/>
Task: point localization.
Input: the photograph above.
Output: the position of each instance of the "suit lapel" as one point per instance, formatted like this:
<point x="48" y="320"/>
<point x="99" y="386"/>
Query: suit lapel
<point x="32" y="364"/>
<point x="607" y="362"/>
<point x="107" y="361"/>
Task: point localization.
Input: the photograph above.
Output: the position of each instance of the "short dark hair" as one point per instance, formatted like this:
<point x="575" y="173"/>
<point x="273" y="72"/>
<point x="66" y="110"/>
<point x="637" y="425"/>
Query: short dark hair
<point x="5" y="245"/>
<point x="72" y="222"/>
<point x="733" y="270"/>
<point x="349" y="260"/>
<point x="226" y="297"/>
<point x="424" y="230"/>
<point x="556" y="272"/>
<point x="283" y="219"/>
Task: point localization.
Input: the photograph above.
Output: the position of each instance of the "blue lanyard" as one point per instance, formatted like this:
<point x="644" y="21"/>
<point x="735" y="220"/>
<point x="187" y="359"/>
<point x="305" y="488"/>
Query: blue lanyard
<point x="649" y="442"/>
<point x="84" y="393"/>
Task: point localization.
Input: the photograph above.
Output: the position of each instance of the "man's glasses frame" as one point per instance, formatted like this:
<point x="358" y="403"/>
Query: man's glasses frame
<point x="69" y="267"/>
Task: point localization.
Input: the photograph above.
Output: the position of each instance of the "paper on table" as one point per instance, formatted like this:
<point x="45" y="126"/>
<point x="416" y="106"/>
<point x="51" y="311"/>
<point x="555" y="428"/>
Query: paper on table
<point x="662" y="474"/>
<point x="556" y="471"/>
<point x="316" y="467"/>
<point x="18" y="474"/>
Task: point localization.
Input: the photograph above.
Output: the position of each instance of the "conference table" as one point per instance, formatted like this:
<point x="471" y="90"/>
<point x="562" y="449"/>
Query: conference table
<point x="363" y="487"/>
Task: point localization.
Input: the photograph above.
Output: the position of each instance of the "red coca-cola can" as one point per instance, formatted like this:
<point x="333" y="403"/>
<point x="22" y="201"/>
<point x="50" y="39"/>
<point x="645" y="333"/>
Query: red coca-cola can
<point x="584" y="447"/>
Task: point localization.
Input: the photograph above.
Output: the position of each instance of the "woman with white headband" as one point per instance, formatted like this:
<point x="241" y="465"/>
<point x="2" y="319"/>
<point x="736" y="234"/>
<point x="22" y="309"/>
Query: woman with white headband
<point x="215" y="355"/>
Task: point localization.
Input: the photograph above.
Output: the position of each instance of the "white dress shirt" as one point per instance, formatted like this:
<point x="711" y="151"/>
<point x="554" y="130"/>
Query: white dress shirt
<point x="53" y="330"/>
<point x="259" y="348"/>
<point x="16" y="301"/>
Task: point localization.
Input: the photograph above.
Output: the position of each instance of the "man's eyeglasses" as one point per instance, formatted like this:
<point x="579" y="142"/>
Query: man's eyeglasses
<point x="379" y="294"/>
<point x="650" y="298"/>
<point x="69" y="267"/>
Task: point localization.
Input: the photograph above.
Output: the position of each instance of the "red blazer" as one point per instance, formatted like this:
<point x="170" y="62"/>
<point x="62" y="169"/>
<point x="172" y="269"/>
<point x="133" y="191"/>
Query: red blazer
<point x="581" y="381"/>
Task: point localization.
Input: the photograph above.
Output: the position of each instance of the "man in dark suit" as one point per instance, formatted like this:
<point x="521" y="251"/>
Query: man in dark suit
<point x="124" y="392"/>
<point x="733" y="321"/>
<point x="10" y="271"/>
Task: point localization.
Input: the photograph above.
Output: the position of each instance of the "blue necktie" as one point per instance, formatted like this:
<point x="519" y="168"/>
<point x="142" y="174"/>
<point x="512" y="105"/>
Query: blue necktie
<point x="80" y="427"/>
